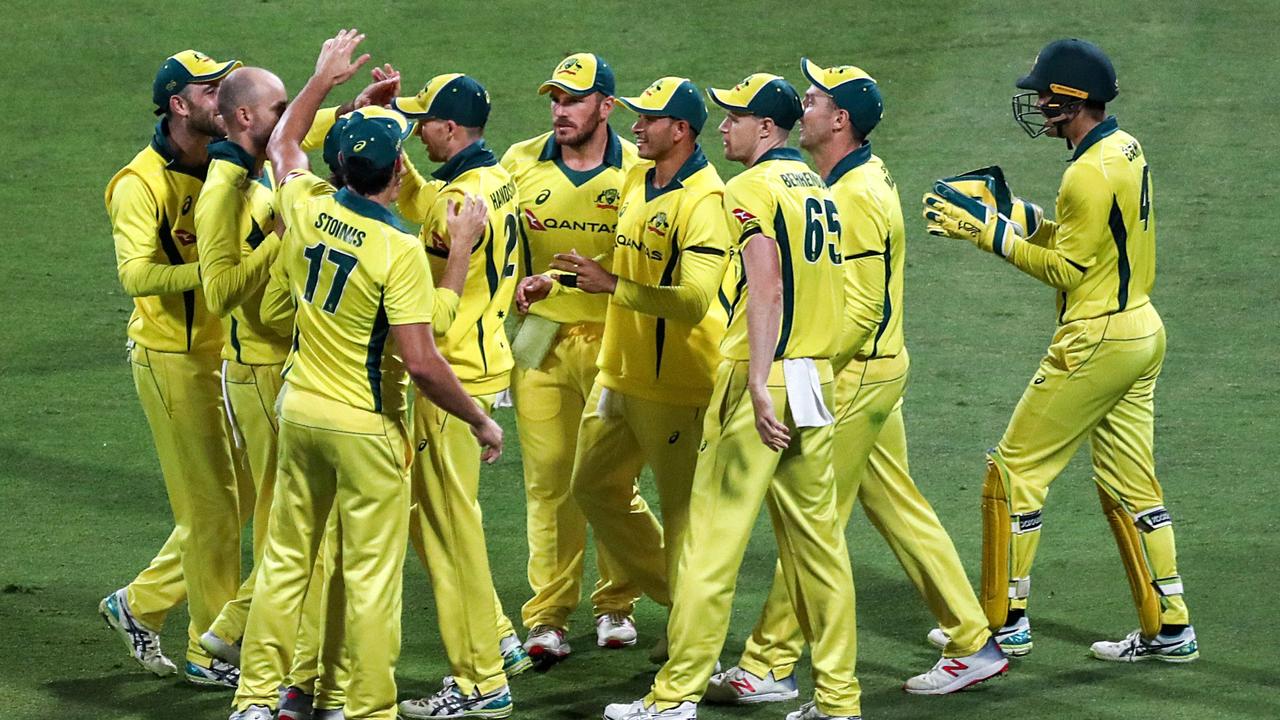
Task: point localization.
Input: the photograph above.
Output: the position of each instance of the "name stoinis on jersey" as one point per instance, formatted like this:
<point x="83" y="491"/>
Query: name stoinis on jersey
<point x="340" y="230"/>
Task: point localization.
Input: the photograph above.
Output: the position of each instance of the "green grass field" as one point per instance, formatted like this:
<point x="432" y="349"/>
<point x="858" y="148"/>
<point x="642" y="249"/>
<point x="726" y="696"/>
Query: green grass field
<point x="82" y="506"/>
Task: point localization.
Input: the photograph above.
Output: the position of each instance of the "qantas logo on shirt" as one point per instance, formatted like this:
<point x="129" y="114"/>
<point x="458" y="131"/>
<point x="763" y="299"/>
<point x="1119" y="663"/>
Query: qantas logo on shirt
<point x="532" y="220"/>
<point x="743" y="216"/>
<point x="184" y="237"/>
<point x="639" y="246"/>
<point x="539" y="225"/>
<point x="437" y="241"/>
<point x="608" y="200"/>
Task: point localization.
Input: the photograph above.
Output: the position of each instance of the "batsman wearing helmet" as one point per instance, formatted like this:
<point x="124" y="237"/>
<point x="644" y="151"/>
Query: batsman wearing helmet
<point x="1097" y="380"/>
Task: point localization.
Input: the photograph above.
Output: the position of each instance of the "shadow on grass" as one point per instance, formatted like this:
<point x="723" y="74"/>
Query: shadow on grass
<point x="137" y="694"/>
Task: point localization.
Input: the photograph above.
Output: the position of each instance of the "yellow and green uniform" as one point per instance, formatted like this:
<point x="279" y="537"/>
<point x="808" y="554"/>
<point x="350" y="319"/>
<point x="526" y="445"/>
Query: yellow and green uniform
<point x="174" y="342"/>
<point x="1097" y="380"/>
<point x="660" y="347"/>
<point x="871" y="466"/>
<point x="446" y="528"/>
<point x="351" y="273"/>
<point x="781" y="198"/>
<point x="562" y="210"/>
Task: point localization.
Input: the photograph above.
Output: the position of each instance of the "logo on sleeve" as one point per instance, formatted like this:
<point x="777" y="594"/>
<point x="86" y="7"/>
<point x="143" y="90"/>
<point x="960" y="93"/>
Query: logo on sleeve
<point x="743" y="216"/>
<point x="437" y="241"/>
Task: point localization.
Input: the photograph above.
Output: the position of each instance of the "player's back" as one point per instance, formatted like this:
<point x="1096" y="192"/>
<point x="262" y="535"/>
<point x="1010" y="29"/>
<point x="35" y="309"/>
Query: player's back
<point x="872" y="225"/>
<point x="1106" y="224"/>
<point x="780" y="196"/>
<point x="348" y="266"/>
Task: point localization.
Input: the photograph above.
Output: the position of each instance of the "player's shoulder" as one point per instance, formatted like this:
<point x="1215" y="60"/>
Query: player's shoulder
<point x="525" y="153"/>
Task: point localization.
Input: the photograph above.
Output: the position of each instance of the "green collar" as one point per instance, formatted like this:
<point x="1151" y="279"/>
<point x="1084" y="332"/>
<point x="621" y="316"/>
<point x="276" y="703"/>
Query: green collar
<point x="1099" y="131"/>
<point x="230" y="151"/>
<point x="160" y="143"/>
<point x="612" y="158"/>
<point x="364" y="206"/>
<point x="780" y="153"/>
<point x="854" y="159"/>
<point x="692" y="164"/>
<point x="475" y="155"/>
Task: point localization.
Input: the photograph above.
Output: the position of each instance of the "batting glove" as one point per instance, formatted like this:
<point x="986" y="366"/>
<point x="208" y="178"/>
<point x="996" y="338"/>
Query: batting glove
<point x="951" y="213"/>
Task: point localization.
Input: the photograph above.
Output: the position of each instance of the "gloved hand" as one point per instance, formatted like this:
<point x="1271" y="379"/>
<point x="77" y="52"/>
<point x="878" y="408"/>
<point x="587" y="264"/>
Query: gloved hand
<point x="951" y="213"/>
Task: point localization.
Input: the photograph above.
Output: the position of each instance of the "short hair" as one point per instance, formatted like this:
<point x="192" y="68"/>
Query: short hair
<point x="365" y="178"/>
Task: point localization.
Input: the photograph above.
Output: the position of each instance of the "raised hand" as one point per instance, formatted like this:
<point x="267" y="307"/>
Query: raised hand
<point x="334" y="63"/>
<point x="384" y="88"/>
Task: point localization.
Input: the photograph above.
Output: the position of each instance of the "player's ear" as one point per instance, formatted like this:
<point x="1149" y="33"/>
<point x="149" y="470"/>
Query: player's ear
<point x="178" y="105"/>
<point x="606" y="107"/>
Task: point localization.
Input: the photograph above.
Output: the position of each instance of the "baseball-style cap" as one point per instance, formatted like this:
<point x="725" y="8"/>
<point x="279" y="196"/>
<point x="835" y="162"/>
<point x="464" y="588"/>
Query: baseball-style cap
<point x="371" y="140"/>
<point x="675" y="97"/>
<point x="189" y="67"/>
<point x="581" y="74"/>
<point x="332" y="140"/>
<point x="762" y="95"/>
<point x="853" y="90"/>
<point x="452" y="96"/>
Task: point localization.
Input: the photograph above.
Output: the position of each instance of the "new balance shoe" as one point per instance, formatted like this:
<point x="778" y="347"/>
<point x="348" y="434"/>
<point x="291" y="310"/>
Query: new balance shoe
<point x="810" y="711"/>
<point x="514" y="658"/>
<point x="546" y="645"/>
<point x="143" y="643"/>
<point x="615" y="630"/>
<point x="736" y="686"/>
<point x="253" y="712"/>
<point x="952" y="674"/>
<point x="639" y="711"/>
<point x="296" y="704"/>
<point x="1179" y="648"/>
<point x="451" y="703"/>
<point x="217" y="674"/>
<point x="221" y="649"/>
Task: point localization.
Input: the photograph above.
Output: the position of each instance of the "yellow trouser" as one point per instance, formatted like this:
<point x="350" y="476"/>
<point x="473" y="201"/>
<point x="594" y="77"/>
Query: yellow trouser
<point x="1097" y="381"/>
<point x="333" y="457"/>
<point x="182" y="399"/>
<point x="549" y="403"/>
<point x="447" y="531"/>
<point x="320" y="664"/>
<point x="736" y="472"/>
<point x="250" y="392"/>
<point x="871" y="467"/>
<point x="613" y="447"/>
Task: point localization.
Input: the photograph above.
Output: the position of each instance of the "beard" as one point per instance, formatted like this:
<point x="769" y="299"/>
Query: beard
<point x="206" y="122"/>
<point x="580" y="135"/>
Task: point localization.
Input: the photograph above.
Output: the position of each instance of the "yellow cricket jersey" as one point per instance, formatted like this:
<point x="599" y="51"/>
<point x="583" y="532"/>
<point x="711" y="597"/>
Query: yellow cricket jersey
<point x="875" y="247"/>
<point x="470" y="329"/>
<point x="563" y="209"/>
<point x="352" y="272"/>
<point x="151" y="203"/>
<point x="663" y="327"/>
<point x="779" y="196"/>
<point x="1101" y="252"/>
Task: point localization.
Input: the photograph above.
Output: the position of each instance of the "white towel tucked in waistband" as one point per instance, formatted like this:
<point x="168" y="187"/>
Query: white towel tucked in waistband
<point x="804" y="393"/>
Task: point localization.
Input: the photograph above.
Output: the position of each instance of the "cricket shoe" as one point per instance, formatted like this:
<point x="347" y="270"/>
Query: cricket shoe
<point x="639" y="711"/>
<point x="217" y="674"/>
<point x="952" y="674"/>
<point x="514" y="658"/>
<point x="615" y="630"/>
<point x="810" y="711"/>
<point x="1179" y="648"/>
<point x="546" y="645"/>
<point x="736" y="686"/>
<point x="451" y="703"/>
<point x="1014" y="640"/>
<point x="221" y="649"/>
<point x="253" y="712"/>
<point x="143" y="643"/>
<point x="296" y="704"/>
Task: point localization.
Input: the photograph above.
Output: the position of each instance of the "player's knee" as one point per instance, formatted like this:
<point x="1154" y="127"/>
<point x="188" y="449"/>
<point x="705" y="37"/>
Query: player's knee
<point x="1152" y="519"/>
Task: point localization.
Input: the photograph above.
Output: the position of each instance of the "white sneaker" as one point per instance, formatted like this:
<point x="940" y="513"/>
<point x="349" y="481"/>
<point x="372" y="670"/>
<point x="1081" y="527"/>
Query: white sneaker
<point x="296" y="704"/>
<point x="221" y="649"/>
<point x="952" y="674"/>
<point x="143" y="642"/>
<point x="217" y="674"/>
<point x="615" y="630"/>
<point x="514" y="659"/>
<point x="810" y="711"/>
<point x="451" y="703"/>
<point x="736" y="686"/>
<point x="639" y="711"/>
<point x="938" y="638"/>
<point x="546" y="645"/>
<point x="1180" y="648"/>
<point x="253" y="712"/>
<point x="1015" y="639"/>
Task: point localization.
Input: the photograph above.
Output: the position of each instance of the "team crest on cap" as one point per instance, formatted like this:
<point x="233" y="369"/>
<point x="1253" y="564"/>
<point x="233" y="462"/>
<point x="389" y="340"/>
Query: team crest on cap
<point x="570" y="66"/>
<point x="608" y="199"/>
<point x="658" y="224"/>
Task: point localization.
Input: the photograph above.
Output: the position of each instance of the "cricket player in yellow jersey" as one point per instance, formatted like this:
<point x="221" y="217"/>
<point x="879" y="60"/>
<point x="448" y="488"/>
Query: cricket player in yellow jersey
<point x="768" y="431"/>
<point x="354" y="278"/>
<point x="841" y="107"/>
<point x="447" y="528"/>
<point x="174" y="343"/>
<point x="569" y="181"/>
<point x="661" y="337"/>
<point x="1097" y="380"/>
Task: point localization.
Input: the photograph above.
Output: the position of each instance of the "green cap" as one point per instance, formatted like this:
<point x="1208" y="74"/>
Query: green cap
<point x="853" y="91"/>
<point x="674" y="97"/>
<point x="452" y="96"/>
<point x="762" y="95"/>
<point x="188" y="67"/>
<point x="371" y="141"/>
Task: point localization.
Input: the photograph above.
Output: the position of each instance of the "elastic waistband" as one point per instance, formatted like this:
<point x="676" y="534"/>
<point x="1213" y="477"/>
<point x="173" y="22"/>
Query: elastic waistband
<point x="777" y="377"/>
<point x="307" y="408"/>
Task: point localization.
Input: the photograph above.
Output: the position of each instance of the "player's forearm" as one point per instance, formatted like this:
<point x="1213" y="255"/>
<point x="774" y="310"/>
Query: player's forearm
<point x="143" y="278"/>
<point x="1046" y="265"/>
<point x="432" y="374"/>
<point x="686" y="301"/>
<point x="284" y="149"/>
<point x="864" y="293"/>
<point x="229" y="282"/>
<point x="1044" y="235"/>
<point x="764" y="307"/>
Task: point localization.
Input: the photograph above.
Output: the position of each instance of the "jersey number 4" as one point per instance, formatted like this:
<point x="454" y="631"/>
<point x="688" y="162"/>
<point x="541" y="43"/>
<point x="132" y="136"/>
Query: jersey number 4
<point x="343" y="265"/>
<point x="817" y="214"/>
